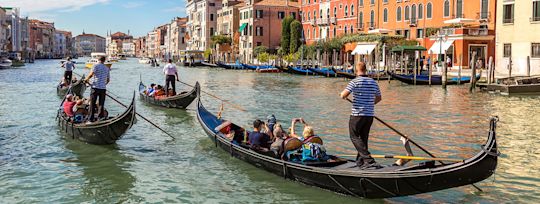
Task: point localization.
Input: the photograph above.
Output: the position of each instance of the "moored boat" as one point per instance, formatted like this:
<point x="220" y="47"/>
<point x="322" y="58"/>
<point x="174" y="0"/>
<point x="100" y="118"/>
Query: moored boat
<point x="5" y="63"/>
<point x="77" y="88"/>
<point x="180" y="101"/>
<point x="230" y="65"/>
<point x="435" y="79"/>
<point x="145" y="60"/>
<point x="256" y="67"/>
<point x="299" y="71"/>
<point x="327" y="72"/>
<point x="101" y="132"/>
<point x="95" y="59"/>
<point x="338" y="176"/>
<point x="191" y="58"/>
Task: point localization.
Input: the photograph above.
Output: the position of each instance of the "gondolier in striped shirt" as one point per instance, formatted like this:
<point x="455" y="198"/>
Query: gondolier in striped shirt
<point x="101" y="75"/>
<point x="366" y="94"/>
<point x="69" y="66"/>
<point x="170" y="72"/>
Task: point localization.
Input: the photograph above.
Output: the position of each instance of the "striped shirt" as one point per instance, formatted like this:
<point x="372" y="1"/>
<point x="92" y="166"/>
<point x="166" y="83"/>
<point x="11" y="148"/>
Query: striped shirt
<point x="101" y="74"/>
<point x="364" y="90"/>
<point x="69" y="65"/>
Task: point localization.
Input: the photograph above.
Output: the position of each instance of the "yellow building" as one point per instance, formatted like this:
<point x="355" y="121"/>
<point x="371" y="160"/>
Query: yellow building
<point x="518" y="28"/>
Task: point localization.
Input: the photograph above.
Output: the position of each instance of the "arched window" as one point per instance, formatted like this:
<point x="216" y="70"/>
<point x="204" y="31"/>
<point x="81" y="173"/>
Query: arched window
<point x="320" y="13"/>
<point x="361" y="2"/>
<point x="314" y="33"/>
<point x="328" y="13"/>
<point x="308" y="16"/>
<point x="446" y="8"/>
<point x="352" y="29"/>
<point x="320" y="33"/>
<point x="398" y="13"/>
<point x="345" y="29"/>
<point x="407" y="13"/>
<point x="346" y="11"/>
<point x="361" y="18"/>
<point x="335" y="11"/>
<point x="334" y="32"/>
<point x="372" y="19"/>
<point x="385" y="15"/>
<point x="308" y="36"/>
<point x="459" y="8"/>
<point x="352" y="10"/>
<point x="429" y="10"/>
<point x="420" y="11"/>
<point x="314" y="14"/>
<point x="413" y="12"/>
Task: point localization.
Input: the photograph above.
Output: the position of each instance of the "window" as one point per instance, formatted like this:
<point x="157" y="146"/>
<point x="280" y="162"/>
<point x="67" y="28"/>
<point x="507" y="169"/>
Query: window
<point x="429" y="10"/>
<point x="398" y="14"/>
<point x="536" y="11"/>
<point x="413" y="13"/>
<point x="372" y="2"/>
<point x="508" y="13"/>
<point x="259" y="31"/>
<point x="211" y="17"/>
<point x="419" y="33"/>
<point x="281" y="15"/>
<point x="446" y="8"/>
<point x="250" y="13"/>
<point x="183" y="41"/>
<point x="459" y="8"/>
<point x="484" y="10"/>
<point x="320" y="14"/>
<point x="352" y="29"/>
<point x="372" y="19"/>
<point x="361" y="3"/>
<point x="308" y="16"/>
<point x="211" y="31"/>
<point x="535" y="50"/>
<point x="507" y="51"/>
<point x="352" y="10"/>
<point x="335" y="31"/>
<point x="420" y="11"/>
<point x="314" y="15"/>
<point x="407" y="13"/>
<point x="314" y="33"/>
<point x="250" y="30"/>
<point x="346" y="11"/>
<point x="361" y="17"/>
<point x="259" y="14"/>
<point x="345" y="29"/>
<point x="328" y="13"/>
<point x="335" y="11"/>
<point x="259" y="43"/>
<point x="385" y="15"/>
<point x="308" y="36"/>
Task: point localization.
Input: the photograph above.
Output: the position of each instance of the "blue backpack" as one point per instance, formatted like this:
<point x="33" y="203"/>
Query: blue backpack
<point x="313" y="152"/>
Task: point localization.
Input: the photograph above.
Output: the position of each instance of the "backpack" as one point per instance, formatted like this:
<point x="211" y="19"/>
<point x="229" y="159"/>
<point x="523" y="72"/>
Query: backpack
<point x="313" y="152"/>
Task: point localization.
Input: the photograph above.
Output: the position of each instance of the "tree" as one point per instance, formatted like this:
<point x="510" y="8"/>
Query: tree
<point x="296" y="35"/>
<point x="286" y="33"/>
<point x="220" y="40"/>
<point x="259" y="49"/>
<point x="263" y="57"/>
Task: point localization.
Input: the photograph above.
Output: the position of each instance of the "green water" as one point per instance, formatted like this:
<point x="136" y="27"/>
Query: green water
<point x="37" y="165"/>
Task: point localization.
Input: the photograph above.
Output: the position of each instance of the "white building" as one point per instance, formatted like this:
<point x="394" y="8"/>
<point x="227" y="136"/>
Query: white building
<point x="151" y="41"/>
<point x="202" y="23"/>
<point x="60" y="44"/>
<point x="128" y="48"/>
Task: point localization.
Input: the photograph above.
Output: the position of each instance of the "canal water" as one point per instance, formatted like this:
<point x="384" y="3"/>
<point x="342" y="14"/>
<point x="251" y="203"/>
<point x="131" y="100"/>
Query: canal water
<point x="38" y="165"/>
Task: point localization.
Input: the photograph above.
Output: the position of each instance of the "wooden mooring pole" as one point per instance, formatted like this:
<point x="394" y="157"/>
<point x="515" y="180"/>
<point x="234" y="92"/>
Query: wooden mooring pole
<point x="473" y="72"/>
<point x="459" y="68"/>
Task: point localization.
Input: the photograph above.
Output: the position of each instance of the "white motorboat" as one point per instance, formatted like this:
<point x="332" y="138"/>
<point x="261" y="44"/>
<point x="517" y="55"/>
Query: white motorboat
<point x="5" y="63"/>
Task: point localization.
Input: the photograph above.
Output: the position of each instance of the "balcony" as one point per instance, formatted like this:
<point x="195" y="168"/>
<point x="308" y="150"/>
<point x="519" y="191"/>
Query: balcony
<point x="333" y="20"/>
<point x="413" y="22"/>
<point x="323" y="21"/>
<point x="312" y="22"/>
<point x="360" y="26"/>
<point x="476" y="31"/>
<point x="466" y="31"/>
<point x="483" y="16"/>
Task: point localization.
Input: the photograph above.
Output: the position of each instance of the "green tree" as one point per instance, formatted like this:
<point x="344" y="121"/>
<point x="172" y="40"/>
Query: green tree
<point x="259" y="49"/>
<point x="220" y="40"/>
<point x="286" y="33"/>
<point x="263" y="57"/>
<point x="296" y="35"/>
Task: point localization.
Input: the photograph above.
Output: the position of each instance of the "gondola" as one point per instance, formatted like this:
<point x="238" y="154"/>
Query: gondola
<point x="208" y="64"/>
<point x="257" y="67"/>
<point x="230" y="65"/>
<point x="299" y="71"/>
<point x="77" y="88"/>
<point x="435" y="79"/>
<point x="391" y="181"/>
<point x="345" y="74"/>
<point x="101" y="132"/>
<point x="327" y="72"/>
<point x="180" y="101"/>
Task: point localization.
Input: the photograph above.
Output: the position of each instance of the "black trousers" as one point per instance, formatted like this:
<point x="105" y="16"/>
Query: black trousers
<point x="67" y="76"/>
<point x="359" y="127"/>
<point x="170" y="79"/>
<point x="94" y="95"/>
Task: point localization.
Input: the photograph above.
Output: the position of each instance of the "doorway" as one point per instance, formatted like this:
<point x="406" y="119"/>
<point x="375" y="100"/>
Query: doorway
<point x="481" y="53"/>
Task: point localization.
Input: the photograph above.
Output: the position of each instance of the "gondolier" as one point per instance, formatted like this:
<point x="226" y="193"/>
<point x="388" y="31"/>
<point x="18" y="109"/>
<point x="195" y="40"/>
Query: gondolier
<point x="366" y="94"/>
<point x="170" y="72"/>
<point x="69" y="66"/>
<point x="101" y="75"/>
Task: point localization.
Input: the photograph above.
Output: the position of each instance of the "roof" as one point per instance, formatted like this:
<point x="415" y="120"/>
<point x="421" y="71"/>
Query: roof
<point x="401" y="48"/>
<point x="278" y="3"/>
<point x="88" y="35"/>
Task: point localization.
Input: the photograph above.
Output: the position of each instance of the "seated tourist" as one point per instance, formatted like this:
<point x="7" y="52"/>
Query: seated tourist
<point x="171" y="93"/>
<point x="271" y="122"/>
<point x="232" y="132"/>
<point x="81" y="111"/>
<point x="68" y="105"/>
<point x="308" y="130"/>
<point x="159" y="91"/>
<point x="257" y="139"/>
<point x="150" y="90"/>
<point x="279" y="138"/>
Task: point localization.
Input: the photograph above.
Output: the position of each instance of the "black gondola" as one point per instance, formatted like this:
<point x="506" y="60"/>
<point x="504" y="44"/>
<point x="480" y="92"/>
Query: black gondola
<point x="435" y="79"/>
<point x="230" y="65"/>
<point x="392" y="181"/>
<point x="180" y="101"/>
<point x="101" y="132"/>
<point x="77" y="88"/>
<point x="348" y="75"/>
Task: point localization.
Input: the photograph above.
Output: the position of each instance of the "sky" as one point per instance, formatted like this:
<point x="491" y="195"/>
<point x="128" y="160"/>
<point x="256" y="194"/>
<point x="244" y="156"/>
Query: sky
<point x="99" y="16"/>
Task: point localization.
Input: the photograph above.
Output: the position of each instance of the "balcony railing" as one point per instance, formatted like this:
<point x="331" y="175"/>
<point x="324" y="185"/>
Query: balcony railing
<point x="333" y="20"/>
<point x="508" y="20"/>
<point x="477" y="31"/>
<point x="413" y="21"/>
<point x="483" y="15"/>
<point x="447" y="31"/>
<point x="323" y="21"/>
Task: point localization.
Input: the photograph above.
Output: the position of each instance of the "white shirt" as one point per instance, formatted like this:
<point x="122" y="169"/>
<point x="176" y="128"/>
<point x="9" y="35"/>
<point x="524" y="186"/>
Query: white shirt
<point x="169" y="69"/>
<point x="69" y="65"/>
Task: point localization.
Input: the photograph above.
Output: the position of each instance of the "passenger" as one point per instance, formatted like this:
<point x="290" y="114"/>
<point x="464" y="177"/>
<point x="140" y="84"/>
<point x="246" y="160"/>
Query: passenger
<point x="279" y="137"/>
<point x="68" y="105"/>
<point x="257" y="139"/>
<point x="81" y="111"/>
<point x="159" y="91"/>
<point x="271" y="122"/>
<point x="170" y="92"/>
<point x="307" y="132"/>
<point x="150" y="89"/>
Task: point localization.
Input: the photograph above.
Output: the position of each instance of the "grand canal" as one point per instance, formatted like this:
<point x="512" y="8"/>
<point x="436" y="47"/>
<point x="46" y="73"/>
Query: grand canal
<point x="38" y="165"/>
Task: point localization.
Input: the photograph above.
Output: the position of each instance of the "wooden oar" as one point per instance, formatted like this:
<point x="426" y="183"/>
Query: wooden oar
<point x="406" y="157"/>
<point x="414" y="143"/>
<point x="122" y="104"/>
<point x="212" y="95"/>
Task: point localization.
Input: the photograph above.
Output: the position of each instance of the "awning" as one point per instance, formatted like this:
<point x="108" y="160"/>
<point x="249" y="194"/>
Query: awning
<point x="459" y="21"/>
<point x="439" y="46"/>
<point x="379" y="31"/>
<point x="363" y="49"/>
<point x="244" y="25"/>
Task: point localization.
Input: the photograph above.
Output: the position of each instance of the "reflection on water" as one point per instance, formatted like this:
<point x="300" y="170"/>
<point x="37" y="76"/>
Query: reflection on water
<point x="38" y="165"/>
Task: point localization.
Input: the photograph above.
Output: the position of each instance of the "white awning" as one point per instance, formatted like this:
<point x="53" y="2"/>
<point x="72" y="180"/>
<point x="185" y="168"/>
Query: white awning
<point x="439" y="46"/>
<point x="379" y="31"/>
<point x="459" y="21"/>
<point x="363" y="49"/>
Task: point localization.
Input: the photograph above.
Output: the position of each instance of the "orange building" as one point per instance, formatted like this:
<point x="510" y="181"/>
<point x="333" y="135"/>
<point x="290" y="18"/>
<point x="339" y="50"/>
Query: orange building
<point x="458" y="27"/>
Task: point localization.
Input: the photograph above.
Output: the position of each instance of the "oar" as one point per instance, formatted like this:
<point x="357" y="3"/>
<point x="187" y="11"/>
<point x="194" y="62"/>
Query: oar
<point x="144" y="118"/>
<point x="411" y="141"/>
<point x="406" y="157"/>
<point x="212" y="95"/>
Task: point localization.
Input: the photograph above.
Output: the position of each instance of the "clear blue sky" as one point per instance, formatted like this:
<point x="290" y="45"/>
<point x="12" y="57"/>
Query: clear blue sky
<point x="99" y="16"/>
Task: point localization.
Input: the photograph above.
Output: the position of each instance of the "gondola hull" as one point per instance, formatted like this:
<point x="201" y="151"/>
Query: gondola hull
<point x="257" y="67"/>
<point x="180" y="101"/>
<point x="323" y="72"/>
<point x="77" y="88"/>
<point x="299" y="71"/>
<point x="382" y="183"/>
<point x="230" y="65"/>
<point x="435" y="79"/>
<point x="98" y="133"/>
